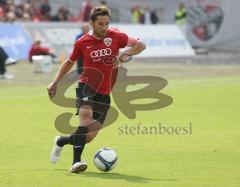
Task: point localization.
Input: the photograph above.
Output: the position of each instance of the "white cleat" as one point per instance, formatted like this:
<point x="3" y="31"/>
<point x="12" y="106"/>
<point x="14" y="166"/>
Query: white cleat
<point x="7" y="76"/>
<point x="55" y="154"/>
<point x="78" y="167"/>
<point x="11" y="61"/>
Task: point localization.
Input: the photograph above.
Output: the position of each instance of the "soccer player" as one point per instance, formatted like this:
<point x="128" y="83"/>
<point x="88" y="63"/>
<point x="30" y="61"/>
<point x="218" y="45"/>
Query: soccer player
<point x="96" y="81"/>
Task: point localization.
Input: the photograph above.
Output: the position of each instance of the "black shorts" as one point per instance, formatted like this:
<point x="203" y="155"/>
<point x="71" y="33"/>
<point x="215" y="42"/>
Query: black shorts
<point x="100" y="103"/>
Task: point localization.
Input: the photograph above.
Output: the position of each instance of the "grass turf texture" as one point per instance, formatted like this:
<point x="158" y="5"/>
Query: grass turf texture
<point x="207" y="96"/>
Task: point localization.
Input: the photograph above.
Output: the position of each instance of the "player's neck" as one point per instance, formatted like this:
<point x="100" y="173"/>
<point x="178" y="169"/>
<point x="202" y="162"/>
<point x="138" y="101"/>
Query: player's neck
<point x="96" y="36"/>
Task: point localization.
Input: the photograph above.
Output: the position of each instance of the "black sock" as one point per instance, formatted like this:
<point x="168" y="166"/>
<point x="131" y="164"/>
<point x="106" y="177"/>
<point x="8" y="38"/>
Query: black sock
<point x="63" y="140"/>
<point x="79" y="140"/>
<point x="77" y="153"/>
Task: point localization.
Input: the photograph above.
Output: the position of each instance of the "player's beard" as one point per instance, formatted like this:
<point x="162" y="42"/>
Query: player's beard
<point x="101" y="33"/>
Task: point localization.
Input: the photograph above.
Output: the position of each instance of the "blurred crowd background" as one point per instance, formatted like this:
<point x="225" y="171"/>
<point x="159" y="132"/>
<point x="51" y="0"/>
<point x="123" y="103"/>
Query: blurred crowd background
<point x="139" y="12"/>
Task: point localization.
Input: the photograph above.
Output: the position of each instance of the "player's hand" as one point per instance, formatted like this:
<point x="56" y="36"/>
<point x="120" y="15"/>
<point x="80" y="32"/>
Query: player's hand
<point x="116" y="62"/>
<point x="52" y="89"/>
<point x="123" y="58"/>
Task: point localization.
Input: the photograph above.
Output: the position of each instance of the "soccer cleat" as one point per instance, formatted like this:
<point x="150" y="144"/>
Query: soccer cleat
<point x="55" y="154"/>
<point x="78" y="167"/>
<point x="6" y="76"/>
<point x="11" y="61"/>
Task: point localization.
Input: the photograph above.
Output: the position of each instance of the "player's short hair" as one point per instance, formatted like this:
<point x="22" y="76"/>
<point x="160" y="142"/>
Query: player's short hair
<point x="99" y="11"/>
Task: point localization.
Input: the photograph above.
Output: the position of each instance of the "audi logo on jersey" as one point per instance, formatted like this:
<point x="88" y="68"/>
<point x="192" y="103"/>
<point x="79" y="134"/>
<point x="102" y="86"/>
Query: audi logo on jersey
<point x="101" y="53"/>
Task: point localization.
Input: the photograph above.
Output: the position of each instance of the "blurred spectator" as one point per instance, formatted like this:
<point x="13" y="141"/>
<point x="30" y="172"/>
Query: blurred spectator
<point x="85" y="29"/>
<point x="19" y="11"/>
<point x="85" y="10"/>
<point x="138" y="14"/>
<point x="26" y="17"/>
<point x="2" y="14"/>
<point x="10" y="14"/>
<point x="181" y="15"/>
<point x="154" y="17"/>
<point x="45" y="10"/>
<point x="142" y="14"/>
<point x="147" y="15"/>
<point x="4" y="60"/>
<point x="35" y="11"/>
<point x="3" y="2"/>
<point x="17" y="2"/>
<point x="62" y="15"/>
<point x="135" y="14"/>
<point x="181" y="18"/>
<point x="27" y="8"/>
<point x="37" y="49"/>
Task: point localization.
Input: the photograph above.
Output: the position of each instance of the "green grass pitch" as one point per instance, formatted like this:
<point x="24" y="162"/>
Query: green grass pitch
<point x="207" y="96"/>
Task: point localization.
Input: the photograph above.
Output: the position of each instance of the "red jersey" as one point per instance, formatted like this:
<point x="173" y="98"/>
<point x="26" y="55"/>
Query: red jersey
<point x="35" y="50"/>
<point x="97" y="53"/>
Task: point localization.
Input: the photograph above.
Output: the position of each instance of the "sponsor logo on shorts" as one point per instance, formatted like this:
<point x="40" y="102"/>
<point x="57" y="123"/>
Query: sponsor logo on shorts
<point x="85" y="99"/>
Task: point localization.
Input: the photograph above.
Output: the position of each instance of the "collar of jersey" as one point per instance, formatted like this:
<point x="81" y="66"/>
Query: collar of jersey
<point x="101" y="38"/>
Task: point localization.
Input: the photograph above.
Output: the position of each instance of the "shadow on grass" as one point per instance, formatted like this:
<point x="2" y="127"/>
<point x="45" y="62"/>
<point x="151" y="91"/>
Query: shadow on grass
<point x="120" y="176"/>
<point x="61" y="170"/>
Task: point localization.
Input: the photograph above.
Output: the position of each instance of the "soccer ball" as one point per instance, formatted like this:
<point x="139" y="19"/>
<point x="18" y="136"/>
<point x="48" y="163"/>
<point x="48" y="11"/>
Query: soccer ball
<point x="105" y="159"/>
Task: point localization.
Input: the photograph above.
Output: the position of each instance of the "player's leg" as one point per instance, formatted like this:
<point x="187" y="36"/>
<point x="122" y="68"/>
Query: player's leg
<point x="100" y="110"/>
<point x="2" y="62"/>
<point x="82" y="91"/>
<point x="91" y="120"/>
<point x="85" y="102"/>
<point x="2" y="67"/>
<point x="79" y="139"/>
<point x="90" y="123"/>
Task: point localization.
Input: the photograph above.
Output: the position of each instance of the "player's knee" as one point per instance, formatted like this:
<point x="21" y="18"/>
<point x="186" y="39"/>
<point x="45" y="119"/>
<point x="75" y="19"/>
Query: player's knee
<point x="92" y="132"/>
<point x="90" y="137"/>
<point x="79" y="135"/>
<point x="85" y="115"/>
<point x="82" y="130"/>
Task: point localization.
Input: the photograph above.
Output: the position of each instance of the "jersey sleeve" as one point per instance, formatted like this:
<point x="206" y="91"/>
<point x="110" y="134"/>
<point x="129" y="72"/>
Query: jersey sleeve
<point x="123" y="39"/>
<point x="77" y="51"/>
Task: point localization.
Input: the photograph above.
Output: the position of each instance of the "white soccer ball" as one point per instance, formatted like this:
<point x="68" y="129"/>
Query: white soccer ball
<point x="105" y="159"/>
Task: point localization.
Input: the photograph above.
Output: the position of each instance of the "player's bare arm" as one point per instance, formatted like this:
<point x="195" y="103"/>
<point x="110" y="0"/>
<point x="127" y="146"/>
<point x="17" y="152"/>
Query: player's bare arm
<point x="65" y="68"/>
<point x="136" y="47"/>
